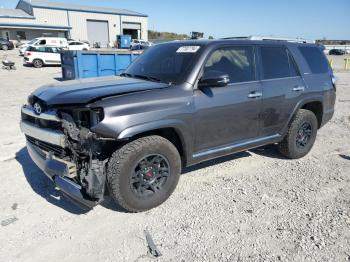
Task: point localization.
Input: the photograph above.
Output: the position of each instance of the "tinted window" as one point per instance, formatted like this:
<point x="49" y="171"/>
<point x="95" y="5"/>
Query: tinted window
<point x="275" y="62"/>
<point x="315" y="59"/>
<point x="169" y="63"/>
<point x="42" y="42"/>
<point x="237" y="62"/>
<point x="294" y="71"/>
<point x="48" y="50"/>
<point x="55" y="50"/>
<point x="36" y="49"/>
<point x="41" y="49"/>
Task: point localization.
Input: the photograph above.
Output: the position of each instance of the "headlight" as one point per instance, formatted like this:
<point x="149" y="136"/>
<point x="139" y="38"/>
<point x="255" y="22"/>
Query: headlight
<point x="85" y="117"/>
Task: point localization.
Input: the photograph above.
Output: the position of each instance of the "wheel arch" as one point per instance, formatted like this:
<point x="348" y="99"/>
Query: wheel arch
<point x="174" y="131"/>
<point x="314" y="104"/>
<point x="317" y="108"/>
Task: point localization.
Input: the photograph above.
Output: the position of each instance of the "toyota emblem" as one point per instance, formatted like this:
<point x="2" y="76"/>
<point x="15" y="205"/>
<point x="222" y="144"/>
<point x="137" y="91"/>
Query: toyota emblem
<point x="37" y="108"/>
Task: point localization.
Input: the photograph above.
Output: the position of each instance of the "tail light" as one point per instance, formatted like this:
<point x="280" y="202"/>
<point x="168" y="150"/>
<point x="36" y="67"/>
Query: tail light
<point x="334" y="82"/>
<point x="27" y="54"/>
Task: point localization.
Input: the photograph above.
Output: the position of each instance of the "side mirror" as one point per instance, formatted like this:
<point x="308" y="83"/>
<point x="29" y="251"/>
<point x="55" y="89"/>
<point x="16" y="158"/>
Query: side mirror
<point x="213" y="78"/>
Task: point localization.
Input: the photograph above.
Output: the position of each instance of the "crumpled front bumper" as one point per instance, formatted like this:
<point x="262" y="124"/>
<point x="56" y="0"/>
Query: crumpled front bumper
<point x="58" y="171"/>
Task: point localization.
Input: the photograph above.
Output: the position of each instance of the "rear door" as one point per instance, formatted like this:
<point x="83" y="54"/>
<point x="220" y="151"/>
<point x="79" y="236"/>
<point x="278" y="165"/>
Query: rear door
<point x="230" y="114"/>
<point x="282" y="87"/>
<point x="318" y="76"/>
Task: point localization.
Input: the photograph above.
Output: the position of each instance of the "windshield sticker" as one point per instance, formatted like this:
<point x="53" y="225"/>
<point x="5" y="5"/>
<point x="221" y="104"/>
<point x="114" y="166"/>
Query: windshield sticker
<point x="188" y="49"/>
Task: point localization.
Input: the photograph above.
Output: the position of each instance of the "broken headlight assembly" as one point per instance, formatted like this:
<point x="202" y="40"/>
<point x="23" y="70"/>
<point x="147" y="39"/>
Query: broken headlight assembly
<point x="84" y="117"/>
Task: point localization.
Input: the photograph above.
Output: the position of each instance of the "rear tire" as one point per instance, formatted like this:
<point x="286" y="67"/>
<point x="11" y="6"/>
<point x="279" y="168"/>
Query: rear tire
<point x="4" y="47"/>
<point x="301" y="135"/>
<point x="37" y="63"/>
<point x="143" y="173"/>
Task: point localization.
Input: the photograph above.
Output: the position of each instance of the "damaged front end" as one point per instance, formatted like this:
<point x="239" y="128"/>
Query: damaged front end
<point x="60" y="142"/>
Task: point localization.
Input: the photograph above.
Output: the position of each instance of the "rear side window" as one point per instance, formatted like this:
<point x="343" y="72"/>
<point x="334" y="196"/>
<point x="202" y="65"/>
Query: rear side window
<point x="237" y="62"/>
<point x="275" y="62"/>
<point x="315" y="59"/>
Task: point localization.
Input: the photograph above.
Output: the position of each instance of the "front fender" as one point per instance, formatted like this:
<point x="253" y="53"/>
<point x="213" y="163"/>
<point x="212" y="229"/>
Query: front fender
<point x="180" y="127"/>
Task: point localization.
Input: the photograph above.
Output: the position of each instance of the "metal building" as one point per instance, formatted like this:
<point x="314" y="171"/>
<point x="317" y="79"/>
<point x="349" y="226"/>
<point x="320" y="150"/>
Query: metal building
<point x="31" y="19"/>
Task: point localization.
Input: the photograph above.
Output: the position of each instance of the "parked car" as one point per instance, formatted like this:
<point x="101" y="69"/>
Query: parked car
<point x="79" y="46"/>
<point x="44" y="41"/>
<point x="139" y="49"/>
<point x="178" y="104"/>
<point x="136" y="42"/>
<point x="6" y="44"/>
<point x="41" y="56"/>
<point x="337" y="52"/>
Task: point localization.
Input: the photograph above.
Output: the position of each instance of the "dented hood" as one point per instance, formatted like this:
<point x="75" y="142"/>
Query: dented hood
<point x="87" y="90"/>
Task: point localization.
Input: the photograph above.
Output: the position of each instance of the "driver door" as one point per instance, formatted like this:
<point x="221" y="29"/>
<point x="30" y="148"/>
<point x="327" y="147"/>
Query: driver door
<point x="230" y="114"/>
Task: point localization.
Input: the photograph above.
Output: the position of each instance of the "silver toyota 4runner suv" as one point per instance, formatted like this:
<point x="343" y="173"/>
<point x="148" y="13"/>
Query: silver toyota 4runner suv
<point x="178" y="104"/>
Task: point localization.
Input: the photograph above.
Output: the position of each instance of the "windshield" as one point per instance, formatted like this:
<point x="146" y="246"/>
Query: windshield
<point x="166" y="63"/>
<point x="32" y="41"/>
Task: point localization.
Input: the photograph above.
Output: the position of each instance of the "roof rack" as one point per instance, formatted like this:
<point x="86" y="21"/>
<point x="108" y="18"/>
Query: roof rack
<point x="272" y="38"/>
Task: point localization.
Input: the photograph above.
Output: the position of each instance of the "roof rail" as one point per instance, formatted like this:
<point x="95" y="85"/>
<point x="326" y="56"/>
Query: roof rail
<point x="272" y="38"/>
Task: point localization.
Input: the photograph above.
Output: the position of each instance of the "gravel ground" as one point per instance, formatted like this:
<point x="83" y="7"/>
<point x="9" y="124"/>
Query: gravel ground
<point x="252" y="206"/>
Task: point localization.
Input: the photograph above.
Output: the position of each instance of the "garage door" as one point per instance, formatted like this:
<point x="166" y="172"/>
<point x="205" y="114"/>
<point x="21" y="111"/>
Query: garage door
<point x="135" y="26"/>
<point x="98" y="32"/>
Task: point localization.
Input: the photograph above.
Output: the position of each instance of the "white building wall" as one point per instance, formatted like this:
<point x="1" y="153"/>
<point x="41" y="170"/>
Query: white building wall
<point x="138" y="19"/>
<point x="77" y="20"/>
<point x="42" y="17"/>
<point x="51" y="17"/>
<point x="79" y="25"/>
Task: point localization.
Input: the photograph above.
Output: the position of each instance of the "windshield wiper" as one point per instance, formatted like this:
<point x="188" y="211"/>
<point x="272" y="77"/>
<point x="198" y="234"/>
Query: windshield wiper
<point x="149" y="78"/>
<point x="125" y="74"/>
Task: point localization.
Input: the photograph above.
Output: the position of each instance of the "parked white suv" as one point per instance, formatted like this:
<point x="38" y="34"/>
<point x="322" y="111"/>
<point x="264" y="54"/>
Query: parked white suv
<point x="77" y="45"/>
<point x="40" y="56"/>
<point x="44" y="41"/>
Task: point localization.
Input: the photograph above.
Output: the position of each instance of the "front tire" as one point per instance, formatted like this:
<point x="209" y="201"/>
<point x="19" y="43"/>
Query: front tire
<point x="143" y="173"/>
<point x="301" y="135"/>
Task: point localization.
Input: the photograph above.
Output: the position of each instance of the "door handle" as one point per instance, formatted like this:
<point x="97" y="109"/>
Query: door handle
<point x="298" y="88"/>
<point x="255" y="95"/>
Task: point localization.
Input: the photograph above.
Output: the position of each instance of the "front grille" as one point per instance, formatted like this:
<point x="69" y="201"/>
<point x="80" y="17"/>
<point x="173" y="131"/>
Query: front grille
<point x="42" y="122"/>
<point x="47" y="147"/>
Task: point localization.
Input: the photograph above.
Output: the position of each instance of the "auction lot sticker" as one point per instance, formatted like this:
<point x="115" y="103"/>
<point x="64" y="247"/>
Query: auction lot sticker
<point x="188" y="49"/>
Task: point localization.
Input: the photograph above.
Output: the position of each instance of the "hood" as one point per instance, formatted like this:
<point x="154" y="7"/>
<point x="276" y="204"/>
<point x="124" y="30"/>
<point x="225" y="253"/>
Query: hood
<point x="87" y="90"/>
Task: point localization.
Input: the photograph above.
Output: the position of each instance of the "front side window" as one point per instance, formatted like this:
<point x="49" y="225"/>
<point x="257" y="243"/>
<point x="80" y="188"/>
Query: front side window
<point x="275" y="62"/>
<point x="42" y="42"/>
<point x="237" y="62"/>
